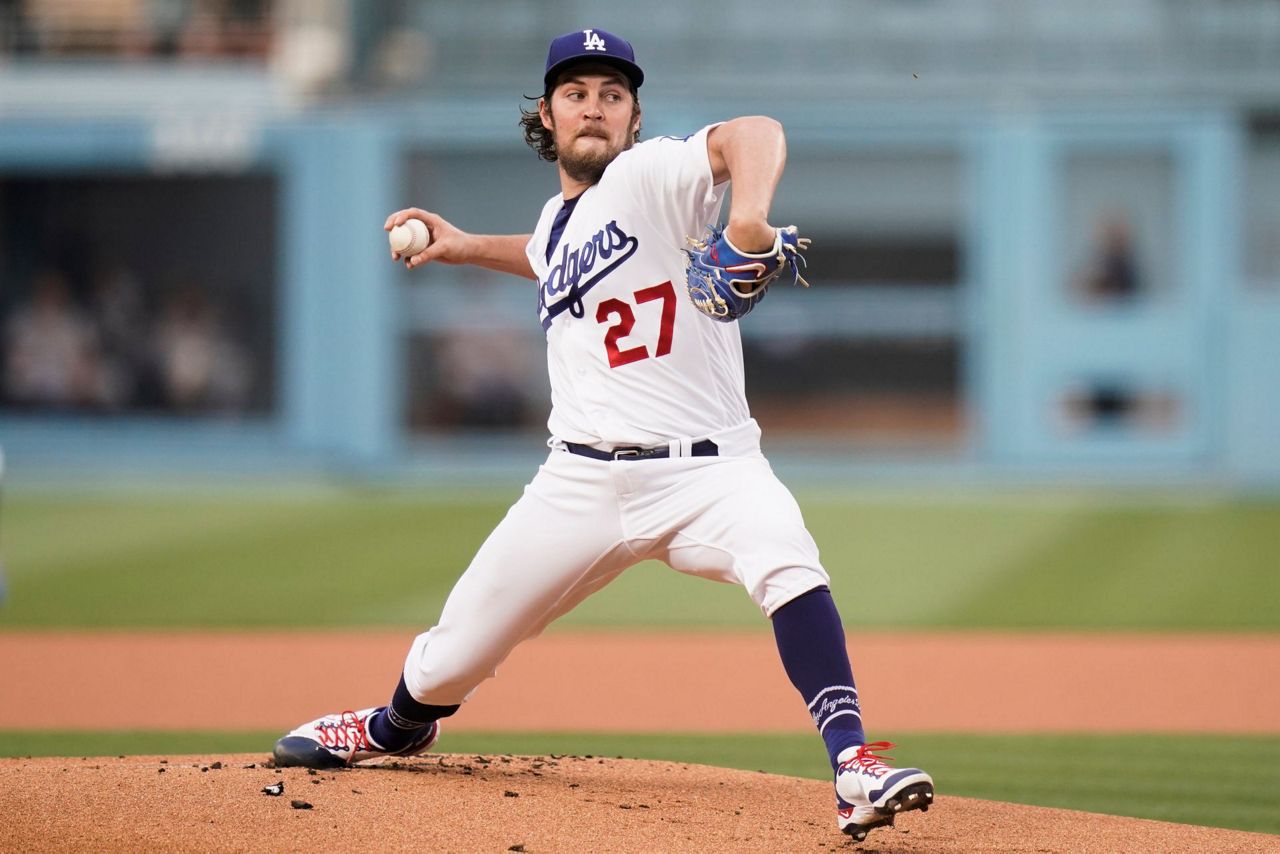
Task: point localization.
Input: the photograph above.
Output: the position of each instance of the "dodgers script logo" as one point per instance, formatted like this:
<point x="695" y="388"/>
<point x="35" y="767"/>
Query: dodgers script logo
<point x="593" y="41"/>
<point x="570" y="274"/>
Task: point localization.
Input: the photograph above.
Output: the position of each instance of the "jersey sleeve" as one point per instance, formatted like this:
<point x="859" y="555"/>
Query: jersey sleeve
<point x="535" y="249"/>
<point x="670" y="179"/>
<point x="535" y="257"/>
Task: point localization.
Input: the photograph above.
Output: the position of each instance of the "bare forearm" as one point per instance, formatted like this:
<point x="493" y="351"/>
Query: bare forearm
<point x="451" y="245"/>
<point x="501" y="252"/>
<point x="751" y="152"/>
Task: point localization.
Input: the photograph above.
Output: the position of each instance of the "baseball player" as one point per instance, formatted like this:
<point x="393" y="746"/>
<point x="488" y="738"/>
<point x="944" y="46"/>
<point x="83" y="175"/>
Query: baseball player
<point x="654" y="453"/>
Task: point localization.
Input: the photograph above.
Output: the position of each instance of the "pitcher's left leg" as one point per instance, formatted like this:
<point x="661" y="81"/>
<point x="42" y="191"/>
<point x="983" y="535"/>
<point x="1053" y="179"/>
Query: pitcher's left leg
<point x="748" y="529"/>
<point x="869" y="792"/>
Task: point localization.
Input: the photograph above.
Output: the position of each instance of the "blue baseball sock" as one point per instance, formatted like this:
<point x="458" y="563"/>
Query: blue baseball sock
<point x="395" y="727"/>
<point x="811" y="642"/>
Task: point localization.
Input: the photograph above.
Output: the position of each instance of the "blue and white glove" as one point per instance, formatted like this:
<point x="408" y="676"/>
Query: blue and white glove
<point x="726" y="283"/>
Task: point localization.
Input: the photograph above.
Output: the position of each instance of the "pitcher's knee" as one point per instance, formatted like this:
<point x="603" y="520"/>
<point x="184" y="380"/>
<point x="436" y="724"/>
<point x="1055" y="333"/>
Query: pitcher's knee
<point x="437" y="673"/>
<point x="780" y="586"/>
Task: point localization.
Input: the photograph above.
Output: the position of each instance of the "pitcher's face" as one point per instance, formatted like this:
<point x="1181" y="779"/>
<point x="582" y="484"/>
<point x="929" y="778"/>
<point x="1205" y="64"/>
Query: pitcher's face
<point x="592" y="114"/>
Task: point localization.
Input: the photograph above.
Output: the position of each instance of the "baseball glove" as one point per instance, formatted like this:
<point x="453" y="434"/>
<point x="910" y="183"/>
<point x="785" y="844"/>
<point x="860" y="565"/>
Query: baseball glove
<point x="725" y="283"/>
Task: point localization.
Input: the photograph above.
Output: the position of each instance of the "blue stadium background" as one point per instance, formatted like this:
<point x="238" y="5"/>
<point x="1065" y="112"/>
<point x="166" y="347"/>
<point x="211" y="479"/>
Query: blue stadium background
<point x="1047" y="235"/>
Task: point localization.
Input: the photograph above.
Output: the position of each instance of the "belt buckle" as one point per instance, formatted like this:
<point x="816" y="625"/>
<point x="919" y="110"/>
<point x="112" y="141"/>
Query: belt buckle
<point x="620" y="453"/>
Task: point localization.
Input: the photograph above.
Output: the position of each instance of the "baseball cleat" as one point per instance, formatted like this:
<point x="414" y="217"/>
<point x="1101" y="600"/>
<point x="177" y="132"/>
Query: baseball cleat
<point x="870" y="792"/>
<point x="335" y="741"/>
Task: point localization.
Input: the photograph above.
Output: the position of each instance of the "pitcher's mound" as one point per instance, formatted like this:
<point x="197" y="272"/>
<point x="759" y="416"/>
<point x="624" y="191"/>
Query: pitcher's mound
<point x="513" y="803"/>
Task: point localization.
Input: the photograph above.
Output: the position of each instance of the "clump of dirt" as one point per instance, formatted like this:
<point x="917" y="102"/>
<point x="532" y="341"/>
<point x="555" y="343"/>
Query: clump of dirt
<point x="515" y="803"/>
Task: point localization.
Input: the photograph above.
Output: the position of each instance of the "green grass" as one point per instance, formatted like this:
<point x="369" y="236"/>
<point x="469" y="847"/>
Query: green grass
<point x="1219" y="781"/>
<point x="358" y="558"/>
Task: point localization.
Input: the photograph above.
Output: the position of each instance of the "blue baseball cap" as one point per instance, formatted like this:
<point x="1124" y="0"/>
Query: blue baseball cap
<point x="591" y="45"/>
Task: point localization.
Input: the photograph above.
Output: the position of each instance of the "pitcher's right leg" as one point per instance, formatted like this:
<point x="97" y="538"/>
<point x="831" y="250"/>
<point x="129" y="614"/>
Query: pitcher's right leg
<point x="561" y="540"/>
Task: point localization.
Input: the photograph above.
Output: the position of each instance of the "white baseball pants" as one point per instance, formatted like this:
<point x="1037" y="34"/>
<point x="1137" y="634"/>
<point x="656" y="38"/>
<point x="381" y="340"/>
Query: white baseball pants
<point x="581" y="522"/>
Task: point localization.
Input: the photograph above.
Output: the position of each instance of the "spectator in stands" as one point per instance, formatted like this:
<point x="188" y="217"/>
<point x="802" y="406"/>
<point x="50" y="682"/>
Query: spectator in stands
<point x="246" y="28"/>
<point x="137" y="28"/>
<point x="13" y="26"/>
<point x="51" y="352"/>
<point x="1113" y="275"/>
<point x="208" y="28"/>
<point x="160" y="31"/>
<point x="123" y="333"/>
<point x="202" y="368"/>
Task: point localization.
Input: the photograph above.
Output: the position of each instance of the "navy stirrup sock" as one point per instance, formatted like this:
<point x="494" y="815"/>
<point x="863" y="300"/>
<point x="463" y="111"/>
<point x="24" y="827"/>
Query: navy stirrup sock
<point x="396" y="726"/>
<point x="811" y="642"/>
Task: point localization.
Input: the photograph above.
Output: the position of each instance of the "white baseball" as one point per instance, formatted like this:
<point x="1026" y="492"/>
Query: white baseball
<point x="410" y="239"/>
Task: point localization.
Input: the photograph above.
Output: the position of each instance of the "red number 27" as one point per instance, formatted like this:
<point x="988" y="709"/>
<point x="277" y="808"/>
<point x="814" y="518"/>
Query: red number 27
<point x="627" y="319"/>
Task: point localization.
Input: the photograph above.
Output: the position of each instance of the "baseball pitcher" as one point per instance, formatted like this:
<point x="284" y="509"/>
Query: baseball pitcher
<point x="653" y="451"/>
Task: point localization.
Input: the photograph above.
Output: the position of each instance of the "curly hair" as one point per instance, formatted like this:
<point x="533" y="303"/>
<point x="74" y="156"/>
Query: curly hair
<point x="543" y="141"/>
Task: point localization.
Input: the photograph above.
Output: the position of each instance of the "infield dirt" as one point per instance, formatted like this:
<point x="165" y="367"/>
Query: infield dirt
<point x="226" y="681"/>
<point x="502" y="803"/>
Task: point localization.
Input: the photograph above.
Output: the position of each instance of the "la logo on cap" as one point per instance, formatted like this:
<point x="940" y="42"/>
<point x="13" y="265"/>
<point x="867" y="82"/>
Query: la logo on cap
<point x="591" y="45"/>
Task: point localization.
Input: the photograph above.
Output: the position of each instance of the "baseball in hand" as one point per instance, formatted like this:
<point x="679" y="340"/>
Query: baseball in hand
<point x="410" y="239"/>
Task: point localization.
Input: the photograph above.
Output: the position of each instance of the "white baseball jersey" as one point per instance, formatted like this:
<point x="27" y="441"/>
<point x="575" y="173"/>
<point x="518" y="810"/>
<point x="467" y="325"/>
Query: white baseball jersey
<point x="631" y="361"/>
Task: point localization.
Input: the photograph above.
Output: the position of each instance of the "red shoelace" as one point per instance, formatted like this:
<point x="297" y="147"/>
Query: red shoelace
<point x="867" y="762"/>
<point x="347" y="732"/>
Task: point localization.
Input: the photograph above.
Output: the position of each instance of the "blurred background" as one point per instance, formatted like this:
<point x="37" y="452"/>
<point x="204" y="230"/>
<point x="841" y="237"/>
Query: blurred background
<point x="1046" y="235"/>
<point x="1033" y="387"/>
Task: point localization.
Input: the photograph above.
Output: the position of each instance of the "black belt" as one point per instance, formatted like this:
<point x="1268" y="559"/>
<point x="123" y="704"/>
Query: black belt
<point x="703" y="448"/>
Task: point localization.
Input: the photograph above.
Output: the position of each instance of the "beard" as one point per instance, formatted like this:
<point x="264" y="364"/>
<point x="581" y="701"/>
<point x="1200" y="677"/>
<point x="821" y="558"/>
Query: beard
<point x="588" y="166"/>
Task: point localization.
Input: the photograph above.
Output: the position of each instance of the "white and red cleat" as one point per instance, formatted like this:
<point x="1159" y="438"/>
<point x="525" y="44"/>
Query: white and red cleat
<point x="870" y="792"/>
<point x="334" y="741"/>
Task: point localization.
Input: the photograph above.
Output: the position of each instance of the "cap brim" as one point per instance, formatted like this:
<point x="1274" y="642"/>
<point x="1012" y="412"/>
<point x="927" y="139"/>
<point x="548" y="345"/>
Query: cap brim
<point x="629" y="69"/>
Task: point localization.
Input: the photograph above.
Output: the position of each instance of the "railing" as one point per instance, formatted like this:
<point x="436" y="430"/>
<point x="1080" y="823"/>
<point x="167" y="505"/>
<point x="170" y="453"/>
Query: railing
<point x="871" y="47"/>
<point x="863" y="48"/>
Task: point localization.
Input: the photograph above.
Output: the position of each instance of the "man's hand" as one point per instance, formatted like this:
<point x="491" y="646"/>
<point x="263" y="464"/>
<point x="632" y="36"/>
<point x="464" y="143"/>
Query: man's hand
<point x="451" y="245"/>
<point x="448" y="243"/>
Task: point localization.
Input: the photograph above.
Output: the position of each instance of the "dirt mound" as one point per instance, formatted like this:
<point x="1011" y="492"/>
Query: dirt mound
<point x="504" y="803"/>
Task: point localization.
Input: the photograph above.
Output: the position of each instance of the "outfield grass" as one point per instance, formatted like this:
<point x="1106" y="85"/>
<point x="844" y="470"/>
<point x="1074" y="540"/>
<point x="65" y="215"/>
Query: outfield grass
<point x="353" y="558"/>
<point x="388" y="558"/>
<point x="1220" y="782"/>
